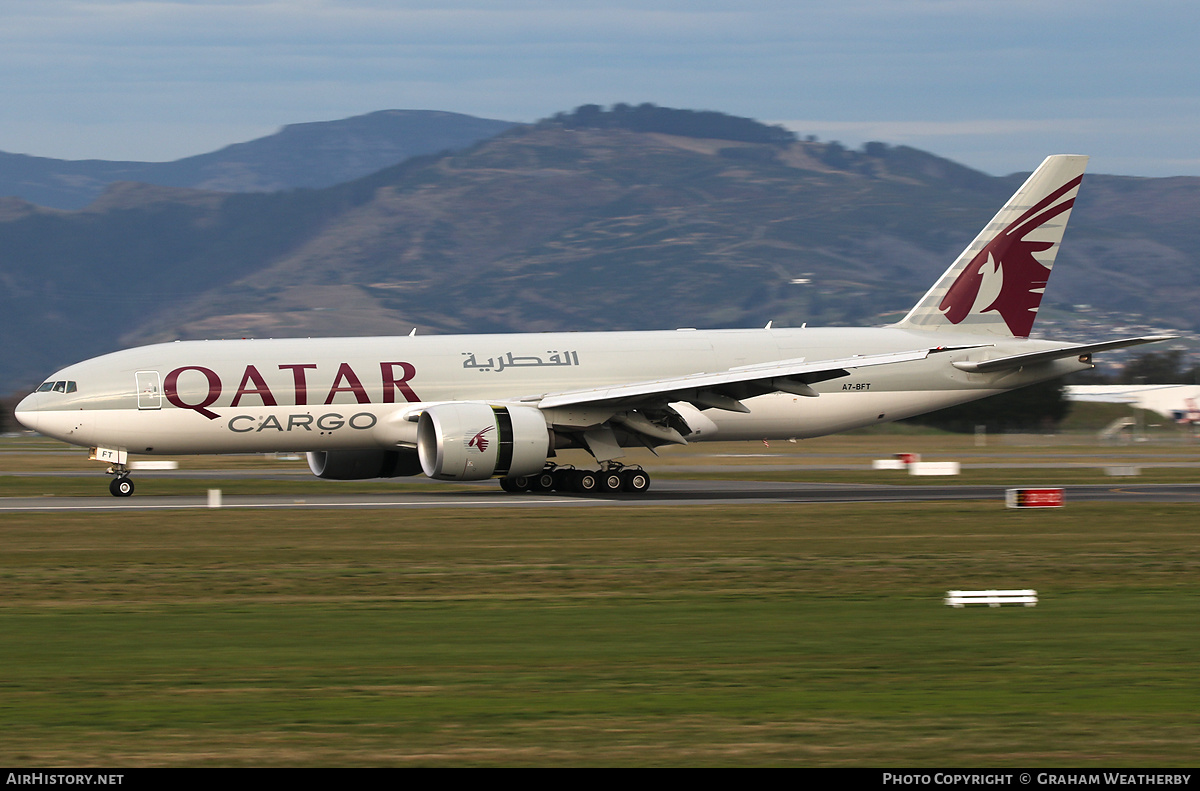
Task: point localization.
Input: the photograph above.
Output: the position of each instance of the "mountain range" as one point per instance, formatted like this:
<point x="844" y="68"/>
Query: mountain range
<point x="631" y="218"/>
<point x="312" y="155"/>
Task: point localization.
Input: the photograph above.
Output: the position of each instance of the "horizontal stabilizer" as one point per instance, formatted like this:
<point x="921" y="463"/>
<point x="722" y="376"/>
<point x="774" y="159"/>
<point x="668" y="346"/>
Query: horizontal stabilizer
<point x="1033" y="358"/>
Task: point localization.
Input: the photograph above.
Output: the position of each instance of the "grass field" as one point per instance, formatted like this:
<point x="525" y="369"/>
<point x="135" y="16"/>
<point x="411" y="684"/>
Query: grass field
<point x="789" y="635"/>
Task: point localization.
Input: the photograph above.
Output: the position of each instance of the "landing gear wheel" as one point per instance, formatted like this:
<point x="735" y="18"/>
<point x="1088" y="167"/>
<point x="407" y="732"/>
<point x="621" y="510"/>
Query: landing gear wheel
<point x="564" y="479"/>
<point x="586" y="481"/>
<point x="635" y="480"/>
<point x="611" y="481"/>
<point x="121" y="487"/>
<point x="515" y="485"/>
<point x="542" y="482"/>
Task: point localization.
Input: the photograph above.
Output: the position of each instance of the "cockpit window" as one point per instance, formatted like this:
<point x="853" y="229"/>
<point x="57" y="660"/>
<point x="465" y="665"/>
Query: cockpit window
<point x="57" y="387"/>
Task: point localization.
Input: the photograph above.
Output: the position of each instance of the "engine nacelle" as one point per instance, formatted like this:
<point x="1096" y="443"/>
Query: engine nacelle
<point x="356" y="465"/>
<point x="473" y="441"/>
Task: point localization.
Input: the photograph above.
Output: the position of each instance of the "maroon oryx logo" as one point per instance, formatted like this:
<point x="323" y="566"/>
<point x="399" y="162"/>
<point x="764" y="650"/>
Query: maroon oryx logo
<point x="480" y="442"/>
<point x="1010" y="254"/>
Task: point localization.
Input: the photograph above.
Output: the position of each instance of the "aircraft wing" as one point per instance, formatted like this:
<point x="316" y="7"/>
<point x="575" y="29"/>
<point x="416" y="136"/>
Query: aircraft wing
<point x="722" y="390"/>
<point x="1032" y="358"/>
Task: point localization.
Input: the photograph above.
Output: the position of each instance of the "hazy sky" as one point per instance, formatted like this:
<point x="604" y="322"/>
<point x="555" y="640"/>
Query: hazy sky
<point x="995" y="84"/>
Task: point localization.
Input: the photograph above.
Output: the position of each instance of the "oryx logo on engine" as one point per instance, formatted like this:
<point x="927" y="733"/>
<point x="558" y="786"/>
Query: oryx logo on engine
<point x="480" y="442"/>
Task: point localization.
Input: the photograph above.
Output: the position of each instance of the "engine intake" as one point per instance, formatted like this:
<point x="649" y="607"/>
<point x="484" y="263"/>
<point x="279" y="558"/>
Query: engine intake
<point x="473" y="441"/>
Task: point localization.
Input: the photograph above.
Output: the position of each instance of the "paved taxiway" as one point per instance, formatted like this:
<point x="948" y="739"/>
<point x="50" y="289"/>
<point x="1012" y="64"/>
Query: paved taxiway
<point x="487" y="494"/>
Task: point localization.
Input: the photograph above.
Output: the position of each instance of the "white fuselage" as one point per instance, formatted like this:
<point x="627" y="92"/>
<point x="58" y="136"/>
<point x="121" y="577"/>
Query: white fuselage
<point x="359" y="393"/>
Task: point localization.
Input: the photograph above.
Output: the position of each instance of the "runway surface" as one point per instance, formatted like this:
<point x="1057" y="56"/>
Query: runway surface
<point x="663" y="493"/>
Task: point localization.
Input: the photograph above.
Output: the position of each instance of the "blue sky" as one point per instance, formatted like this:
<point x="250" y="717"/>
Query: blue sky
<point x="994" y="84"/>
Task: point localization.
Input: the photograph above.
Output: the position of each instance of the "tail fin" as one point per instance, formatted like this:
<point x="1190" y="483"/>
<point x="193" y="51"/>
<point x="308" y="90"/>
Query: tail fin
<point x="996" y="285"/>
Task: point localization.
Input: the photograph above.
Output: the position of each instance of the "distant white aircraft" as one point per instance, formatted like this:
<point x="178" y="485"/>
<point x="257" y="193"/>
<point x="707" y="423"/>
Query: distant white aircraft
<point x="1180" y="403"/>
<point x="470" y="407"/>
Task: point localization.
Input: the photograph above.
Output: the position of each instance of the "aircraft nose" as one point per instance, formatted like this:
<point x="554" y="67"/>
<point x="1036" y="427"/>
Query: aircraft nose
<point x="26" y="412"/>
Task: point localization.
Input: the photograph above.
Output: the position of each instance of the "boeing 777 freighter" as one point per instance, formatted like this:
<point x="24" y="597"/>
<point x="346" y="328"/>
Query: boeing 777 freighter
<point x="471" y="407"/>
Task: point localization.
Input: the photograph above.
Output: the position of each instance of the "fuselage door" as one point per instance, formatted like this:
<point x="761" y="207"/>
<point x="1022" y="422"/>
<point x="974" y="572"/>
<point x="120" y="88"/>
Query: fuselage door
<point x="149" y="390"/>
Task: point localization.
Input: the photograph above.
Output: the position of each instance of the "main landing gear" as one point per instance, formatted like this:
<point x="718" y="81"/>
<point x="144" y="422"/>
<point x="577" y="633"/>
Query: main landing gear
<point x="615" y="478"/>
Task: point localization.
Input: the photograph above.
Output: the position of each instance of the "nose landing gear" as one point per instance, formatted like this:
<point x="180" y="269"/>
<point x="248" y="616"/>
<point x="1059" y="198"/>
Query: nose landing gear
<point x="120" y="486"/>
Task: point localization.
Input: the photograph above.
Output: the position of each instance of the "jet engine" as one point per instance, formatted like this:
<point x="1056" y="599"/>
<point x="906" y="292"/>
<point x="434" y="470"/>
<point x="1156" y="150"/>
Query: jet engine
<point x="474" y="441"/>
<point x="355" y="465"/>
